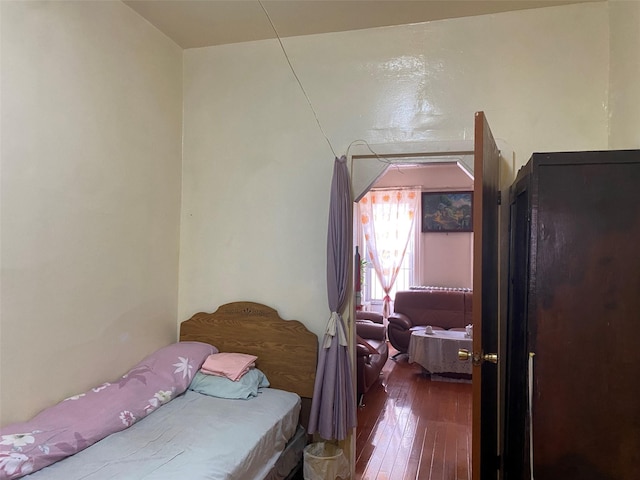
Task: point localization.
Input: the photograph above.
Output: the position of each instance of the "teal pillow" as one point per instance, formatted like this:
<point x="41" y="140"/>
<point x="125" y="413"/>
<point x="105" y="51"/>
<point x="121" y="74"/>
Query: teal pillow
<point x="215" y="386"/>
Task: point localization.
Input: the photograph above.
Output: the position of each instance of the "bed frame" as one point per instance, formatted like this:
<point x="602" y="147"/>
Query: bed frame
<point x="287" y="352"/>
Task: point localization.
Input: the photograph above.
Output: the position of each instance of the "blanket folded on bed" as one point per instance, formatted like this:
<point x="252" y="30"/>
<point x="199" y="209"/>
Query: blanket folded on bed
<point x="229" y="364"/>
<point x="79" y="421"/>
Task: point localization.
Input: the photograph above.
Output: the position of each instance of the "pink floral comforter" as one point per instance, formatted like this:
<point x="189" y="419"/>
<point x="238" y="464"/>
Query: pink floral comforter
<point x="79" y="421"/>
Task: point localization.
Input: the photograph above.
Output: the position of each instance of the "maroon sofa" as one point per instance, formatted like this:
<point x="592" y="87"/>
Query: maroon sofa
<point x="372" y="350"/>
<point x="440" y="307"/>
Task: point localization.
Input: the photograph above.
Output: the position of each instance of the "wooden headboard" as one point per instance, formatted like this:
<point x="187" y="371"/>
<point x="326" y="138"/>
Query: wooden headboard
<point x="287" y="352"/>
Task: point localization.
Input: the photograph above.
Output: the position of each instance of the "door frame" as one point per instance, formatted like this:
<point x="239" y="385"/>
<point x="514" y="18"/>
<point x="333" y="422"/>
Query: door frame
<point x="377" y="158"/>
<point x="373" y="160"/>
<point x="367" y="162"/>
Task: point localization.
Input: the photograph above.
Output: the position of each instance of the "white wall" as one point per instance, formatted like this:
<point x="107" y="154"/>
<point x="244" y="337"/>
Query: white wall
<point x="624" y="88"/>
<point x="91" y="123"/>
<point x="255" y="188"/>
<point x="257" y="169"/>
<point x="444" y="259"/>
<point x="91" y="139"/>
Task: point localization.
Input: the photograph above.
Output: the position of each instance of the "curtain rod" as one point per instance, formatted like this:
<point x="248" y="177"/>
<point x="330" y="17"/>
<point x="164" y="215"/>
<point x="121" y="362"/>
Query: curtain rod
<point x="380" y="189"/>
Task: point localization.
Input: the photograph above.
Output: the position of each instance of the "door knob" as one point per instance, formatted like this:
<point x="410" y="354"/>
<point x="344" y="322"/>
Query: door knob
<point x="465" y="355"/>
<point x="490" y="357"/>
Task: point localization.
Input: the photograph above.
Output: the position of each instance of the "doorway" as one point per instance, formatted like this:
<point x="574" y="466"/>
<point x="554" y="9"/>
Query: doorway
<point x="488" y="262"/>
<point x="429" y="167"/>
<point x="409" y="426"/>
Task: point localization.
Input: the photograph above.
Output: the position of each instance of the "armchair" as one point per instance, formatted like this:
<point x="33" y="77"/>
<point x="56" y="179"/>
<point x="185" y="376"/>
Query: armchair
<point x="372" y="350"/>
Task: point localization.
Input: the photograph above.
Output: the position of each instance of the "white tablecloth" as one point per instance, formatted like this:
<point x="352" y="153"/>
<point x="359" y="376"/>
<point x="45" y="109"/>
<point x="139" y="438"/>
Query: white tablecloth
<point x="437" y="352"/>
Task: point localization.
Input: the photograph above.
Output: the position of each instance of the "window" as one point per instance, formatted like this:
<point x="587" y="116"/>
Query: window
<point x="372" y="291"/>
<point x="390" y="222"/>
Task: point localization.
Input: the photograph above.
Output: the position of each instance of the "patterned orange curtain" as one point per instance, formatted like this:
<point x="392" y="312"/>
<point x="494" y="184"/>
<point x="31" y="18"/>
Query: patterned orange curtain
<point x="387" y="218"/>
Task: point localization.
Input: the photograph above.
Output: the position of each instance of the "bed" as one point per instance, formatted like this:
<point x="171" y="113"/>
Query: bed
<point x="181" y="432"/>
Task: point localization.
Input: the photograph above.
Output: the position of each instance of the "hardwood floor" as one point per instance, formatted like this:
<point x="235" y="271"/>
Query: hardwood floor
<point x="413" y="427"/>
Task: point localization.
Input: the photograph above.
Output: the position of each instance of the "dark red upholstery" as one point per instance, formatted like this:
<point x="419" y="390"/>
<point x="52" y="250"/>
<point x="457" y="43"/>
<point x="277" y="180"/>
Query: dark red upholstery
<point x="375" y="317"/>
<point x="372" y="350"/>
<point x="448" y="309"/>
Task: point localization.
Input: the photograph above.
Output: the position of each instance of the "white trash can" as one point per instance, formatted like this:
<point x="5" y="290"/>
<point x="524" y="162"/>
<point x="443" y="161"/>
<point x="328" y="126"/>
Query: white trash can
<point x="324" y="461"/>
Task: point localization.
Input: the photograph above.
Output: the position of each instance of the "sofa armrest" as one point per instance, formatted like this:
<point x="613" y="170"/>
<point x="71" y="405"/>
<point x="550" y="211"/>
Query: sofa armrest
<point x="373" y="316"/>
<point x="364" y="349"/>
<point x="369" y="330"/>
<point x="400" y="320"/>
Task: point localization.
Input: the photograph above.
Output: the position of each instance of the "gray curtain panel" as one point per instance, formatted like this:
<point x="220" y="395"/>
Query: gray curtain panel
<point x="333" y="407"/>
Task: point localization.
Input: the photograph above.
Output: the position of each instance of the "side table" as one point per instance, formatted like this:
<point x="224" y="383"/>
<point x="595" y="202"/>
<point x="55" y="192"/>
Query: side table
<point x="437" y="352"/>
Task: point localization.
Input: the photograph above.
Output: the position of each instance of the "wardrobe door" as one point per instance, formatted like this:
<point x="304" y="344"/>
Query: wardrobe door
<point x="584" y="315"/>
<point x="515" y="464"/>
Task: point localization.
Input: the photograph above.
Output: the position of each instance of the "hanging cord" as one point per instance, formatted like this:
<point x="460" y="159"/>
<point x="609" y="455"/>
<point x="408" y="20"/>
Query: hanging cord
<point x="296" y="77"/>
<point x="383" y="160"/>
<point x="387" y="161"/>
<point x="380" y="159"/>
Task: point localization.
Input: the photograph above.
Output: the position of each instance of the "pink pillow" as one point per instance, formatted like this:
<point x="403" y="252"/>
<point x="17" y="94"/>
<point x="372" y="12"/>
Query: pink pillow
<point x="230" y="365"/>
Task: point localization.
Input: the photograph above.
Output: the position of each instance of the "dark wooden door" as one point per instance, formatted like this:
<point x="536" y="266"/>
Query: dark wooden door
<point x="485" y="301"/>
<point x="584" y="315"/>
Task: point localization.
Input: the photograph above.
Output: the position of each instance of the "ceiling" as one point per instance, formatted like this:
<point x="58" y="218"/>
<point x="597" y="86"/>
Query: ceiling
<point x="201" y="23"/>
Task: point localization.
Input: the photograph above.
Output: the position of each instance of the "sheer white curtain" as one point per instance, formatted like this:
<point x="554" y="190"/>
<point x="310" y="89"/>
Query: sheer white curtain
<point x="387" y="218"/>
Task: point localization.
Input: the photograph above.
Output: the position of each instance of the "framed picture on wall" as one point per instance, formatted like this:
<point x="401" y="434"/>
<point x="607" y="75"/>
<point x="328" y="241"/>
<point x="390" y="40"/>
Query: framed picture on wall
<point x="447" y="211"/>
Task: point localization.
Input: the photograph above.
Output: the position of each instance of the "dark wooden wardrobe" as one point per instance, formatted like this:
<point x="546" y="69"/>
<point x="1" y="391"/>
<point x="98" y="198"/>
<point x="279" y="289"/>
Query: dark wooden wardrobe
<point x="574" y="303"/>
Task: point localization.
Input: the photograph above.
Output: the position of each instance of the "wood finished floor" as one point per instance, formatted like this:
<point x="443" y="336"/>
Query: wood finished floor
<point x="412" y="427"/>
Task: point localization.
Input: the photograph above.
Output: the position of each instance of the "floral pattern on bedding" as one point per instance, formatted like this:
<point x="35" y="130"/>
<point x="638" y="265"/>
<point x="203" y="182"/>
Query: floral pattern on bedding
<point x="81" y="420"/>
